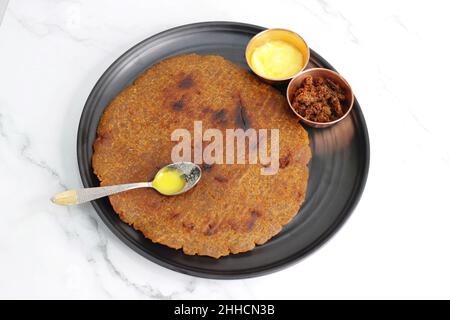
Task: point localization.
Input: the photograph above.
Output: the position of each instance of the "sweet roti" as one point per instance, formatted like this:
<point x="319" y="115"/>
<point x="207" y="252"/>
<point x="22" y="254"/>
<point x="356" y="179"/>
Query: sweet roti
<point x="233" y="207"/>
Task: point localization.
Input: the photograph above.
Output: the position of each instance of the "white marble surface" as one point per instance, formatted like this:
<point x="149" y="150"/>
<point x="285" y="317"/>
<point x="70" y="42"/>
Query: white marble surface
<point x="395" y="55"/>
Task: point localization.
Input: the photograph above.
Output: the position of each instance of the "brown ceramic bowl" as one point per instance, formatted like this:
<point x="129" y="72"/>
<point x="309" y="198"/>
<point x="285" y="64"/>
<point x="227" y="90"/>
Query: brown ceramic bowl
<point x="327" y="74"/>
<point x="277" y="34"/>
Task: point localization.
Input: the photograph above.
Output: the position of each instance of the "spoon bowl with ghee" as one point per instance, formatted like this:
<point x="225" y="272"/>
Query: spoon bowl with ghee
<point x="171" y="180"/>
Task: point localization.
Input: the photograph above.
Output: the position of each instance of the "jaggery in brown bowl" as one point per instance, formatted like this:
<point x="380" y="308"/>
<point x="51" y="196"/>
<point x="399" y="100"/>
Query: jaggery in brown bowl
<point x="295" y="83"/>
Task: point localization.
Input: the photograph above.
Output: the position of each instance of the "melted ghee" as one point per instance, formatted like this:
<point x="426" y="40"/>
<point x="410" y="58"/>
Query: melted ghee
<point x="169" y="181"/>
<point x="277" y="59"/>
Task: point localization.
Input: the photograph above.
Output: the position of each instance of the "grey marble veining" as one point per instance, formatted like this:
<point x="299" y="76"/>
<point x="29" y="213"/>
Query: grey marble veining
<point x="3" y="6"/>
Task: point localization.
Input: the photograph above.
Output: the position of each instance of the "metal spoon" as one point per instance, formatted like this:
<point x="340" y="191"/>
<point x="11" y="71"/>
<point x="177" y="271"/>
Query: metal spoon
<point x="190" y="172"/>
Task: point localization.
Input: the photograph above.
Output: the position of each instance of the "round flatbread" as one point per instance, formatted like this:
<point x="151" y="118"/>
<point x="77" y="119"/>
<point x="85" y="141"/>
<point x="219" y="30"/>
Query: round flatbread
<point x="234" y="206"/>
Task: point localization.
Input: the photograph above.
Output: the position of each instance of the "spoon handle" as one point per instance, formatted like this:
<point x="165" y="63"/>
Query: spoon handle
<point x="78" y="196"/>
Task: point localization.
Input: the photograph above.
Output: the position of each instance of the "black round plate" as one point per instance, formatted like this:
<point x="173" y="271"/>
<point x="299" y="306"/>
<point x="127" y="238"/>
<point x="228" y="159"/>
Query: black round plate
<point x="338" y="168"/>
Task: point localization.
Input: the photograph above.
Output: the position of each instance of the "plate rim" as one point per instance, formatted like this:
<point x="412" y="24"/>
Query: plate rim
<point x="337" y="224"/>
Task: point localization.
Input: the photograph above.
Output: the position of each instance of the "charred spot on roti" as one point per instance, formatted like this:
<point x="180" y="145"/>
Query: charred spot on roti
<point x="254" y="215"/>
<point x="220" y="178"/>
<point x="207" y="167"/>
<point x="285" y="160"/>
<point x="186" y="82"/>
<point x="174" y="215"/>
<point x="178" y="104"/>
<point x="211" y="229"/>
<point x="220" y="116"/>
<point x="242" y="119"/>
